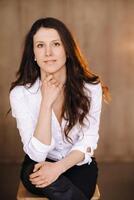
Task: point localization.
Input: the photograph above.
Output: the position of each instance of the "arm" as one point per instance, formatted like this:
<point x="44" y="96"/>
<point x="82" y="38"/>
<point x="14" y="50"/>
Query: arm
<point x="83" y="149"/>
<point x="89" y="136"/>
<point x="44" y="124"/>
<point x="73" y="158"/>
<point x="26" y="125"/>
<point x="45" y="173"/>
<point x="50" y="89"/>
<point x="36" y="137"/>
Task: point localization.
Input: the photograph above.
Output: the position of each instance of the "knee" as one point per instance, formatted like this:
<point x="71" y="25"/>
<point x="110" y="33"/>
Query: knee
<point x="60" y="189"/>
<point x="61" y="184"/>
<point x="25" y="172"/>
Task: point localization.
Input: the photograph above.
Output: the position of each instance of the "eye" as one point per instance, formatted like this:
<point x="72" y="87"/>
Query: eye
<point x="56" y="44"/>
<point x="39" y="45"/>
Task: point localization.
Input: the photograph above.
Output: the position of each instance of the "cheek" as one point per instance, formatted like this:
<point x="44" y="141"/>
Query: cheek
<point x="61" y="54"/>
<point x="38" y="53"/>
<point x="35" y="51"/>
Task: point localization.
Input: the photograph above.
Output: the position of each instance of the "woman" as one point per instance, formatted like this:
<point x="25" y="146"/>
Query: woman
<point x="56" y="101"/>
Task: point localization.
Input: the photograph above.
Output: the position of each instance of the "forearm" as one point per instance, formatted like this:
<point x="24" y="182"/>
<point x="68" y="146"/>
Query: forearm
<point x="70" y="160"/>
<point x="43" y="127"/>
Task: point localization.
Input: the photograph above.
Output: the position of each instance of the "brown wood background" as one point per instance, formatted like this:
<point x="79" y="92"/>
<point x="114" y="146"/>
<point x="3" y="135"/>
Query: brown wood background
<point x="105" y="32"/>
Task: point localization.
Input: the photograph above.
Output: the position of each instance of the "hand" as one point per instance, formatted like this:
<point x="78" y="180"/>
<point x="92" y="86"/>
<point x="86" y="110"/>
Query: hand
<point x="45" y="173"/>
<point x="50" y="89"/>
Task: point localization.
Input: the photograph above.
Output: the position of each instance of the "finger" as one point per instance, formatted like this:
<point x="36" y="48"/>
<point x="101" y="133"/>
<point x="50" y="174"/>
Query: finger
<point x="37" y="166"/>
<point x="34" y="175"/>
<point x="56" y="84"/>
<point x="43" y="185"/>
<point x="37" y="181"/>
<point x="60" y="86"/>
<point x="38" y="178"/>
<point x="53" y="81"/>
<point x="48" y="78"/>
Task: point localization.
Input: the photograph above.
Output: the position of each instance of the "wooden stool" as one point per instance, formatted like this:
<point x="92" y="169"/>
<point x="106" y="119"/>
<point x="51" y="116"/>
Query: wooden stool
<point x="23" y="194"/>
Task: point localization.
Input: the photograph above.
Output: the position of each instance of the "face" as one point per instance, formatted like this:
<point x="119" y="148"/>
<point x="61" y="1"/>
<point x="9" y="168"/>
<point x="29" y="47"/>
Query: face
<point x="49" y="51"/>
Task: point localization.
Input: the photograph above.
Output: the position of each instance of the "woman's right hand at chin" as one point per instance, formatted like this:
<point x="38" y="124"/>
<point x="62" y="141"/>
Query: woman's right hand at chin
<point x="50" y="89"/>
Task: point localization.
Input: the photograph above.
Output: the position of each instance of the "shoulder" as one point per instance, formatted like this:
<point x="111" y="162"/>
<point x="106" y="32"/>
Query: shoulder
<point x="16" y="99"/>
<point x="93" y="88"/>
<point x="17" y="92"/>
<point x="21" y="91"/>
<point x="94" y="92"/>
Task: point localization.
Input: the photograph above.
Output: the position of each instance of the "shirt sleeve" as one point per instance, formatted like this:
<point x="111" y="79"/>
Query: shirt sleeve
<point x="36" y="150"/>
<point x="88" y="136"/>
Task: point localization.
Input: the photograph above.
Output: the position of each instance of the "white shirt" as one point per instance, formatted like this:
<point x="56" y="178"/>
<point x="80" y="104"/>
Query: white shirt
<point x="25" y="106"/>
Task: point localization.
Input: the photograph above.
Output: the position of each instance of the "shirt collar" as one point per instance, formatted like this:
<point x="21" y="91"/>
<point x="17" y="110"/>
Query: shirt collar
<point x="35" y="87"/>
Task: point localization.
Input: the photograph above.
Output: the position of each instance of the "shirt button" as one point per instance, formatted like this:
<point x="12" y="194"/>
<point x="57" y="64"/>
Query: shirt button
<point x="88" y="149"/>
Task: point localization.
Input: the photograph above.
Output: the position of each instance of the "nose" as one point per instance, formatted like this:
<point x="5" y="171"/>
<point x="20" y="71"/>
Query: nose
<point x="48" y="50"/>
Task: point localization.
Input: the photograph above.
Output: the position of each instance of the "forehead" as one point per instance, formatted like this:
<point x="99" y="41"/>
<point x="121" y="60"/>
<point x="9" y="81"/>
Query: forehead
<point x="46" y="34"/>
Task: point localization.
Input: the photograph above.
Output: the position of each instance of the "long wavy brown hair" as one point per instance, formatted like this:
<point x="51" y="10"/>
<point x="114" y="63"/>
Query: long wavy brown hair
<point x="76" y="103"/>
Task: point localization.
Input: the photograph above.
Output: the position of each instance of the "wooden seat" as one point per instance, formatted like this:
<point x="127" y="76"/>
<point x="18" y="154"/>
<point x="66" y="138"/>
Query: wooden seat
<point x="96" y="195"/>
<point x="23" y="194"/>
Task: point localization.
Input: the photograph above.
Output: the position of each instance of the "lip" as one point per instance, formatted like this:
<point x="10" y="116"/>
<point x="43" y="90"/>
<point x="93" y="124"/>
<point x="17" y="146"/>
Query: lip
<point x="49" y="60"/>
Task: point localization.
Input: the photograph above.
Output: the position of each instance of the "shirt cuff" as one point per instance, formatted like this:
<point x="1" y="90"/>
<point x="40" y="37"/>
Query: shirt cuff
<point x="87" y="158"/>
<point x="39" y="146"/>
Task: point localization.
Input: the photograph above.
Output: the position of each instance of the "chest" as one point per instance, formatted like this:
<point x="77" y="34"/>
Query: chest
<point x="57" y="109"/>
<point x="34" y="101"/>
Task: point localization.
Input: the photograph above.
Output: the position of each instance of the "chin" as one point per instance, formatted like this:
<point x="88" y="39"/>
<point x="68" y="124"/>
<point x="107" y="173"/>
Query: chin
<point x="53" y="70"/>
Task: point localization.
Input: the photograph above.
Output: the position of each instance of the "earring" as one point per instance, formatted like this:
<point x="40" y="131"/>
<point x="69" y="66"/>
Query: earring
<point x="34" y="59"/>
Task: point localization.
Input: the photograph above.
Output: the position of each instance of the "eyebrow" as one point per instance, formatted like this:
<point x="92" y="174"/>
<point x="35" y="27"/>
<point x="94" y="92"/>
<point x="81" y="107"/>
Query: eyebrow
<point x="51" y="41"/>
